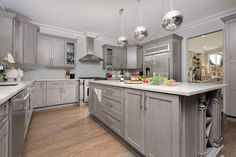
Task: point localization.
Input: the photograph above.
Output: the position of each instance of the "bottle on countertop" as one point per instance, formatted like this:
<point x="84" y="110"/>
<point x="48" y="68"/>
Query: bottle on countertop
<point x="121" y="75"/>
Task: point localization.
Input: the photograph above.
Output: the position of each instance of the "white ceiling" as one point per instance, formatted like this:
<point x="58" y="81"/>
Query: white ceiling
<point x="206" y="42"/>
<point x="101" y="16"/>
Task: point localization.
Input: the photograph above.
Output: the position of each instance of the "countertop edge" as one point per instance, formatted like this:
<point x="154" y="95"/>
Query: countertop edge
<point x="220" y="86"/>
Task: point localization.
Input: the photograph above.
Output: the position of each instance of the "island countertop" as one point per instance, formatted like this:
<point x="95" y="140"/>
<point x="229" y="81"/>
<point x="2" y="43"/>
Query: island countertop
<point x="183" y="88"/>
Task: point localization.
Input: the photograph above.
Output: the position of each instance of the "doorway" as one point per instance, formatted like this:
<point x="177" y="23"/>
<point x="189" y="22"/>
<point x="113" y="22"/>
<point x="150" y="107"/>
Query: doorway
<point x="205" y="58"/>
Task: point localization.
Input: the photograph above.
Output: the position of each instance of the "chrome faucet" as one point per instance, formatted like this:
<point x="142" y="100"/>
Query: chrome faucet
<point x="107" y="67"/>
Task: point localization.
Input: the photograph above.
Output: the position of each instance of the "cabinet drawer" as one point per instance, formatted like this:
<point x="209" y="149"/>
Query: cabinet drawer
<point x="112" y="93"/>
<point x="71" y="83"/>
<point x="112" y="108"/>
<point x="114" y="105"/>
<point x="54" y="83"/>
<point x="40" y="84"/>
<point x="113" y="124"/>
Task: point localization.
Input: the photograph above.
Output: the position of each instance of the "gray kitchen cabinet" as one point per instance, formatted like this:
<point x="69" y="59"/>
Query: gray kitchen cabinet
<point x="54" y="92"/>
<point x="18" y="36"/>
<point x="25" y="42"/>
<point x="229" y="64"/>
<point x="114" y="56"/>
<point x="161" y="119"/>
<point x="44" y="50"/>
<point x="108" y="55"/>
<point x="134" y="57"/>
<point x="4" y="138"/>
<point x="70" y="91"/>
<point x="58" y="52"/>
<point x="30" y="43"/>
<point x="39" y="95"/>
<point x="134" y="119"/>
<point x="18" y="46"/>
<point x="96" y="99"/>
<point x="139" y="57"/>
<point x="91" y="103"/>
<point x="6" y="33"/>
<point x="119" y="58"/>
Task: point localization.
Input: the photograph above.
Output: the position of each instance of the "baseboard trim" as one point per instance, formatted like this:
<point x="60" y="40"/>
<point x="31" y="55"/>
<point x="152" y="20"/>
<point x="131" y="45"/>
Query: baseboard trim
<point x="55" y="106"/>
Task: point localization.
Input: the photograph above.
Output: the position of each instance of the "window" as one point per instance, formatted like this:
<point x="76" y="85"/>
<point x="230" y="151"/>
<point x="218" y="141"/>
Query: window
<point x="216" y="59"/>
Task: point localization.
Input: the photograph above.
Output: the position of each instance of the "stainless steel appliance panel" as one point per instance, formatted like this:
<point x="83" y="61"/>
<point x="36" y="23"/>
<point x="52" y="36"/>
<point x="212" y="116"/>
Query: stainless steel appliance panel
<point x="157" y="64"/>
<point x="20" y="104"/>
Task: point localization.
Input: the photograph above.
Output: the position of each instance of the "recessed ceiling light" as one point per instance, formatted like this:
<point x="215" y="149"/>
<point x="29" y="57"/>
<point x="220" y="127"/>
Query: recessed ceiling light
<point x="203" y="36"/>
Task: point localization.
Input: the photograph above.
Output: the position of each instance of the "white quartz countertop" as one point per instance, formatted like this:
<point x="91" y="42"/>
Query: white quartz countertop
<point x="7" y="92"/>
<point x="185" y="89"/>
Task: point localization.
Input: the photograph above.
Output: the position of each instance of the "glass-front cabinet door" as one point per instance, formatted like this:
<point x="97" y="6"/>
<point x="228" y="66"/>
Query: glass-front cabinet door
<point x="70" y="53"/>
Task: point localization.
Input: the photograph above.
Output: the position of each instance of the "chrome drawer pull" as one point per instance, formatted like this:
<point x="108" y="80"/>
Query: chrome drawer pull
<point x="109" y="104"/>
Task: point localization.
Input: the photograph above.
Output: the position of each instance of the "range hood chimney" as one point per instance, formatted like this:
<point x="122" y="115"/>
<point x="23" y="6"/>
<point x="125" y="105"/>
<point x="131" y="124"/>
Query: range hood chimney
<point x="89" y="55"/>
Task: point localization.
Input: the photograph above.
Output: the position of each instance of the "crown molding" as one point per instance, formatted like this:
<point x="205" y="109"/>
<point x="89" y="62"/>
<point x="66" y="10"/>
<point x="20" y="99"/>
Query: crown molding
<point x="208" y="19"/>
<point x="71" y="33"/>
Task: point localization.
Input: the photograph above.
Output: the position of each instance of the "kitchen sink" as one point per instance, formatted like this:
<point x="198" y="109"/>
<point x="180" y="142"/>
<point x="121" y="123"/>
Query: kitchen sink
<point x="8" y="84"/>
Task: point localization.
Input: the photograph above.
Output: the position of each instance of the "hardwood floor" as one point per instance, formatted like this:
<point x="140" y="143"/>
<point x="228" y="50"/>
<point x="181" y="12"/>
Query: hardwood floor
<point x="71" y="132"/>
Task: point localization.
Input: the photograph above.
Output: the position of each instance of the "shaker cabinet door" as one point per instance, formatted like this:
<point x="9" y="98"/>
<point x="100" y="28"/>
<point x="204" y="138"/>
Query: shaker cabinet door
<point x="116" y="58"/>
<point x="58" y="52"/>
<point x="134" y="119"/>
<point x="161" y="119"/>
<point x="70" y="92"/>
<point x="44" y="50"/>
<point x="5" y="36"/>
<point x="54" y="93"/>
<point x="30" y="44"/>
<point x="39" y="95"/>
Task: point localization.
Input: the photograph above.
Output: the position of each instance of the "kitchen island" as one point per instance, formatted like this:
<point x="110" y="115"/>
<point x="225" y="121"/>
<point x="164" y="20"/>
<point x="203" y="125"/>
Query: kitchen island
<point x="161" y="121"/>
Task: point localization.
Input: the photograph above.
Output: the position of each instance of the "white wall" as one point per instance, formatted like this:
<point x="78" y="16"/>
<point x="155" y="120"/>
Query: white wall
<point x="81" y="69"/>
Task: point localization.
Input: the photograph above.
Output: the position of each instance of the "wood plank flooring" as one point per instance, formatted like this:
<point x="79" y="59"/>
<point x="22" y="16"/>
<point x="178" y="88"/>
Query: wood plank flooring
<point x="71" y="132"/>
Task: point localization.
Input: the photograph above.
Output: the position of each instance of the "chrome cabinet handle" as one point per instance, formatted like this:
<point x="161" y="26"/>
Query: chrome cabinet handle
<point x="141" y="100"/>
<point x="145" y="102"/>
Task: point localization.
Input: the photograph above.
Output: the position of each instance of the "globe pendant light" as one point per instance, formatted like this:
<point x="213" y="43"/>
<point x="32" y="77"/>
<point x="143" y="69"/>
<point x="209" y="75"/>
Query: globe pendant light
<point x="122" y="40"/>
<point x="140" y="32"/>
<point x="172" y="19"/>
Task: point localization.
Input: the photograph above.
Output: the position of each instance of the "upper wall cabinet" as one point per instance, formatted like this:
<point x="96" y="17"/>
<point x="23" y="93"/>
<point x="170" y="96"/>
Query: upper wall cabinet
<point x="114" y="56"/>
<point x="56" y="51"/>
<point x="18" y="36"/>
<point x="130" y="57"/>
<point x="6" y="33"/>
<point x="30" y="43"/>
<point x="135" y="57"/>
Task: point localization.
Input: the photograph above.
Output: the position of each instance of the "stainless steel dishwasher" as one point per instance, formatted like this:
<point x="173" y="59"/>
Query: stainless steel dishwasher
<point x="20" y="120"/>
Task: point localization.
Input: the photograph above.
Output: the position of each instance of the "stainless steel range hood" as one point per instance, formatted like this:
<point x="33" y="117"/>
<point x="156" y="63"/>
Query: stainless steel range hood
<point x="89" y="56"/>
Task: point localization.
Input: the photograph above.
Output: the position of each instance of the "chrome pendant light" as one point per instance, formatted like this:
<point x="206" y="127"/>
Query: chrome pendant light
<point x="172" y="19"/>
<point x="140" y="32"/>
<point x="122" y="40"/>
